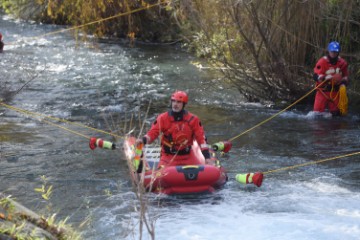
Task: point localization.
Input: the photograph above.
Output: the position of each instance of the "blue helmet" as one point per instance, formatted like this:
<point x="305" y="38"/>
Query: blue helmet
<point x="334" y="47"/>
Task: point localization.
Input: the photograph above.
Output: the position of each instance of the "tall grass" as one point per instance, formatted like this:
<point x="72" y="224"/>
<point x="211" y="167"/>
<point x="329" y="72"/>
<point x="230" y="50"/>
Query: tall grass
<point x="267" y="49"/>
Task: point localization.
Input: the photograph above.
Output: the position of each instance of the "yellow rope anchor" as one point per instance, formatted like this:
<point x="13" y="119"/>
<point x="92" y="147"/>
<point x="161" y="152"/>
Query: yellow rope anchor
<point x="312" y="162"/>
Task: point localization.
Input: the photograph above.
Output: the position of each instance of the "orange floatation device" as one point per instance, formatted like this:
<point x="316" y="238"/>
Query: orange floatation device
<point x="98" y="142"/>
<point x="138" y="155"/>
<point x="244" y="178"/>
<point x="223" y="146"/>
<point x="247" y="178"/>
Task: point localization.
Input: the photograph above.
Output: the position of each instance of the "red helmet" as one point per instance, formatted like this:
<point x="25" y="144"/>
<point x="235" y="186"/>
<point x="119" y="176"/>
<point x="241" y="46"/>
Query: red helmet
<point x="180" y="96"/>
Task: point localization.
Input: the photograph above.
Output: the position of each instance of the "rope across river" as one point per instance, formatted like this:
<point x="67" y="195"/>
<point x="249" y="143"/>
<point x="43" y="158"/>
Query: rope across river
<point x="277" y="114"/>
<point x="33" y="114"/>
<point x="42" y="118"/>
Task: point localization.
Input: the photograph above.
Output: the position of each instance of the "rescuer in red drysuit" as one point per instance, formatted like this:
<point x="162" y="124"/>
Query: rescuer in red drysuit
<point x="334" y="70"/>
<point x="178" y="128"/>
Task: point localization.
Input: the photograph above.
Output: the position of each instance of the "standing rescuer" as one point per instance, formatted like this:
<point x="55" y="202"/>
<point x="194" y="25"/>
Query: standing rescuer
<point x="332" y="69"/>
<point x="178" y="128"/>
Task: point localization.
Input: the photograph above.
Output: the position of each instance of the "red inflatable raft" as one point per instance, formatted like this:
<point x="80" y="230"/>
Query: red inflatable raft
<point x="186" y="179"/>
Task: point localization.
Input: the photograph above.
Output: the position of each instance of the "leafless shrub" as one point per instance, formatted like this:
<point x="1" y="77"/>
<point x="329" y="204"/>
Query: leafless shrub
<point x="266" y="49"/>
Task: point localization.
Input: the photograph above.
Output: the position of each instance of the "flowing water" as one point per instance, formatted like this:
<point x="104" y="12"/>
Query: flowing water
<point x="102" y="83"/>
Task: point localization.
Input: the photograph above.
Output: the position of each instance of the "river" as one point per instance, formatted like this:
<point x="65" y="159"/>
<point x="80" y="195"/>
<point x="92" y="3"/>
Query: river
<point x="101" y="84"/>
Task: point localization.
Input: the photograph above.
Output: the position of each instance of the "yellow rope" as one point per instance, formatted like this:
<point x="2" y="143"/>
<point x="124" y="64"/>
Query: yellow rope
<point x="273" y="116"/>
<point x="100" y="20"/>
<point x="343" y="100"/>
<point x="71" y="28"/>
<point x="66" y="129"/>
<point x="310" y="163"/>
<point x="7" y="154"/>
<point x="332" y="90"/>
<point x="147" y="7"/>
<point x="68" y="29"/>
<point x="304" y="164"/>
<point x="60" y="120"/>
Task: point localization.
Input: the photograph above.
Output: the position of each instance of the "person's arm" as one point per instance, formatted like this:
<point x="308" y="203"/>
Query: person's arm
<point x="153" y="133"/>
<point x="319" y="71"/>
<point x="200" y="138"/>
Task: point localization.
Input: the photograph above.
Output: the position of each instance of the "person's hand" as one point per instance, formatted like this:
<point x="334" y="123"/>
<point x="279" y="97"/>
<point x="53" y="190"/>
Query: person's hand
<point x="321" y="78"/>
<point x="143" y="140"/>
<point x="328" y="77"/>
<point x="336" y="79"/>
<point x="138" y="142"/>
<point x="345" y="80"/>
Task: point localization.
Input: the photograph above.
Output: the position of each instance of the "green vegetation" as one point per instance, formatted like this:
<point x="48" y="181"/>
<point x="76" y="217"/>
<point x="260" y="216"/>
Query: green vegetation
<point x="18" y="222"/>
<point x="153" y="23"/>
<point x="266" y="49"/>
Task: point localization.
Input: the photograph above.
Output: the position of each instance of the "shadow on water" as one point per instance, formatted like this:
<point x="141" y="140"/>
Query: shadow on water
<point x="175" y="201"/>
<point x="8" y="131"/>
